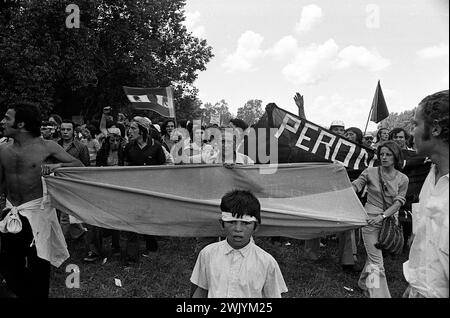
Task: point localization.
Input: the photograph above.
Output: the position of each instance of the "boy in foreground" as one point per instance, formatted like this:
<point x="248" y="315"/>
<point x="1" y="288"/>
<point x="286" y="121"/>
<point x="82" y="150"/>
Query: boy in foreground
<point x="236" y="267"/>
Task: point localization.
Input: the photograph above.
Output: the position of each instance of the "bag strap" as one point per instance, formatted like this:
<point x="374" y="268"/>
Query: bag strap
<point x="382" y="188"/>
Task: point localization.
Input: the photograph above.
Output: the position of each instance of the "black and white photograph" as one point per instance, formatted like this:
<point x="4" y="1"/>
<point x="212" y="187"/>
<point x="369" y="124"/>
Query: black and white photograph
<point x="224" y="149"/>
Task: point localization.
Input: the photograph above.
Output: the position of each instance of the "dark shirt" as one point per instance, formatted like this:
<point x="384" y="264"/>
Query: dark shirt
<point x="78" y="150"/>
<point x="150" y="155"/>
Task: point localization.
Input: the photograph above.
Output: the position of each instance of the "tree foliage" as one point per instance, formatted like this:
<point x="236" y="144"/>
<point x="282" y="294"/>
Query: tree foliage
<point x="403" y="120"/>
<point x="80" y="70"/>
<point x="219" y="108"/>
<point x="251" y="112"/>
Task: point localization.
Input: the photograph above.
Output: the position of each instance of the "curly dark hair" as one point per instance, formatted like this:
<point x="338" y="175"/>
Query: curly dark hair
<point x="30" y="115"/>
<point x="357" y="132"/>
<point x="435" y="111"/>
<point x="393" y="133"/>
<point x="164" y="126"/>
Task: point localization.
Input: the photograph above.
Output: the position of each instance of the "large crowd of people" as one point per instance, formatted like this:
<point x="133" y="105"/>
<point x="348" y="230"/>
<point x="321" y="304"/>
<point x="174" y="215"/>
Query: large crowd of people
<point x="31" y="147"/>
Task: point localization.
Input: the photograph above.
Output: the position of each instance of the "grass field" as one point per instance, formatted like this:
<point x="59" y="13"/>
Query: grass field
<point x="166" y="273"/>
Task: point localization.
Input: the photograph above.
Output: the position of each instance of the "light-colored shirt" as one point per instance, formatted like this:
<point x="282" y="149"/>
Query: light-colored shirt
<point x="249" y="272"/>
<point x="395" y="189"/>
<point x="427" y="269"/>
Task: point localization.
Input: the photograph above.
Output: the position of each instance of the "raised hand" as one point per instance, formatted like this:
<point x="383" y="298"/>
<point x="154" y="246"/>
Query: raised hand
<point x="298" y="100"/>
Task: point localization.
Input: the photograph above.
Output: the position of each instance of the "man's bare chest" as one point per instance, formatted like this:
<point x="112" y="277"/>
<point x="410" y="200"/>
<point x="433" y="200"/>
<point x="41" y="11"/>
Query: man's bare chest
<point x="23" y="159"/>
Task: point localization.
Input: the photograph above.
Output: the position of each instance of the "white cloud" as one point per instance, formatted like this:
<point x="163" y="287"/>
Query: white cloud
<point x="286" y="46"/>
<point x="246" y="54"/>
<point x="317" y="62"/>
<point x="312" y="64"/>
<point x="436" y="51"/>
<point x="362" y="57"/>
<point x="191" y="23"/>
<point x="311" y="15"/>
<point x="353" y="113"/>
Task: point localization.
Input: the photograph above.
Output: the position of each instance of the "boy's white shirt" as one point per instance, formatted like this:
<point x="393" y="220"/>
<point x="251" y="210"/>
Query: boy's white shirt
<point x="249" y="272"/>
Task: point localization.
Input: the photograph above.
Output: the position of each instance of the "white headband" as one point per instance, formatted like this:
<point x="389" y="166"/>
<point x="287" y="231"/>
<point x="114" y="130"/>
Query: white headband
<point x="228" y="217"/>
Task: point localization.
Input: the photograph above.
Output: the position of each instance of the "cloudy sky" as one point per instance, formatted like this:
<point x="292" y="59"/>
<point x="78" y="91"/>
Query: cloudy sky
<point x="332" y="52"/>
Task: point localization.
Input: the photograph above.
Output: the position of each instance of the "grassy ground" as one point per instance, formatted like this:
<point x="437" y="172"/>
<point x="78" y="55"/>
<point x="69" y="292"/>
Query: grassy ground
<point x="167" y="272"/>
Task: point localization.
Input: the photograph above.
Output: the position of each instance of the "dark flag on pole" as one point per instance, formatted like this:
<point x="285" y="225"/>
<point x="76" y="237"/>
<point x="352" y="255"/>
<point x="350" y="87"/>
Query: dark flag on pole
<point x="158" y="99"/>
<point x="379" y="108"/>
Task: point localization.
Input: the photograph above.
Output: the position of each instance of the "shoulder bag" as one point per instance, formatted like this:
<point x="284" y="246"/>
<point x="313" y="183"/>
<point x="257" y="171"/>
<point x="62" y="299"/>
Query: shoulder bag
<point x="390" y="237"/>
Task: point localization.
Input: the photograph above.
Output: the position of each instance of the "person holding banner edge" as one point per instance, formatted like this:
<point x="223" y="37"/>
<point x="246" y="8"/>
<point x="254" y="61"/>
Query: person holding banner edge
<point x="347" y="245"/>
<point x="386" y="193"/>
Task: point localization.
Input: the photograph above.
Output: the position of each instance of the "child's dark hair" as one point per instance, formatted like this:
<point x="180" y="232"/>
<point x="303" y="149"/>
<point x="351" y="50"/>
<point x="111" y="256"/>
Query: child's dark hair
<point x="240" y="203"/>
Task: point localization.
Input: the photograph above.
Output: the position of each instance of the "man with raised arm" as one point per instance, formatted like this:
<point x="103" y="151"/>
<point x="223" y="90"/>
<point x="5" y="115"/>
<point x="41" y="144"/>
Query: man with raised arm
<point x="30" y="233"/>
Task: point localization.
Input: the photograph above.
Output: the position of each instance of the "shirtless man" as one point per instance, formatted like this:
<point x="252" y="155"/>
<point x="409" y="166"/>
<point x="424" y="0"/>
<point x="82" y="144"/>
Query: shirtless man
<point x="26" y="255"/>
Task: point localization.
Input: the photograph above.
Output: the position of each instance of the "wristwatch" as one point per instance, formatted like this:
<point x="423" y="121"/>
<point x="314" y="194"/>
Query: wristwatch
<point x="383" y="215"/>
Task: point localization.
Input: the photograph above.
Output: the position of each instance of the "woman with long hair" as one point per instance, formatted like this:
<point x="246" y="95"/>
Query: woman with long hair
<point x="386" y="191"/>
<point x="354" y="134"/>
<point x="168" y="135"/>
<point x="382" y="135"/>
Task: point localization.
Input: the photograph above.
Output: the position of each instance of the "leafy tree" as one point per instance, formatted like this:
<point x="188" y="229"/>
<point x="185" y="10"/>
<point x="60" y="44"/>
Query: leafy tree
<point x="79" y="71"/>
<point x="403" y="120"/>
<point x="224" y="112"/>
<point x="220" y="108"/>
<point x="251" y="112"/>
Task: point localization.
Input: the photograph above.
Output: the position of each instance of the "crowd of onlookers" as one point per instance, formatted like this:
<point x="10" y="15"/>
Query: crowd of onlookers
<point x="136" y="141"/>
<point x="109" y="142"/>
<point x="123" y="141"/>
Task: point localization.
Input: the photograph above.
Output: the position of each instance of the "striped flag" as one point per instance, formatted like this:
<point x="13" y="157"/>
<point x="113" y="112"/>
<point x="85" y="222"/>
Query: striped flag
<point x="158" y="99"/>
<point x="299" y="200"/>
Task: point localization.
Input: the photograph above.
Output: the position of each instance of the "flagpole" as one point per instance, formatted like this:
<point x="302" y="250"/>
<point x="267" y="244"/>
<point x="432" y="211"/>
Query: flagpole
<point x="368" y="118"/>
